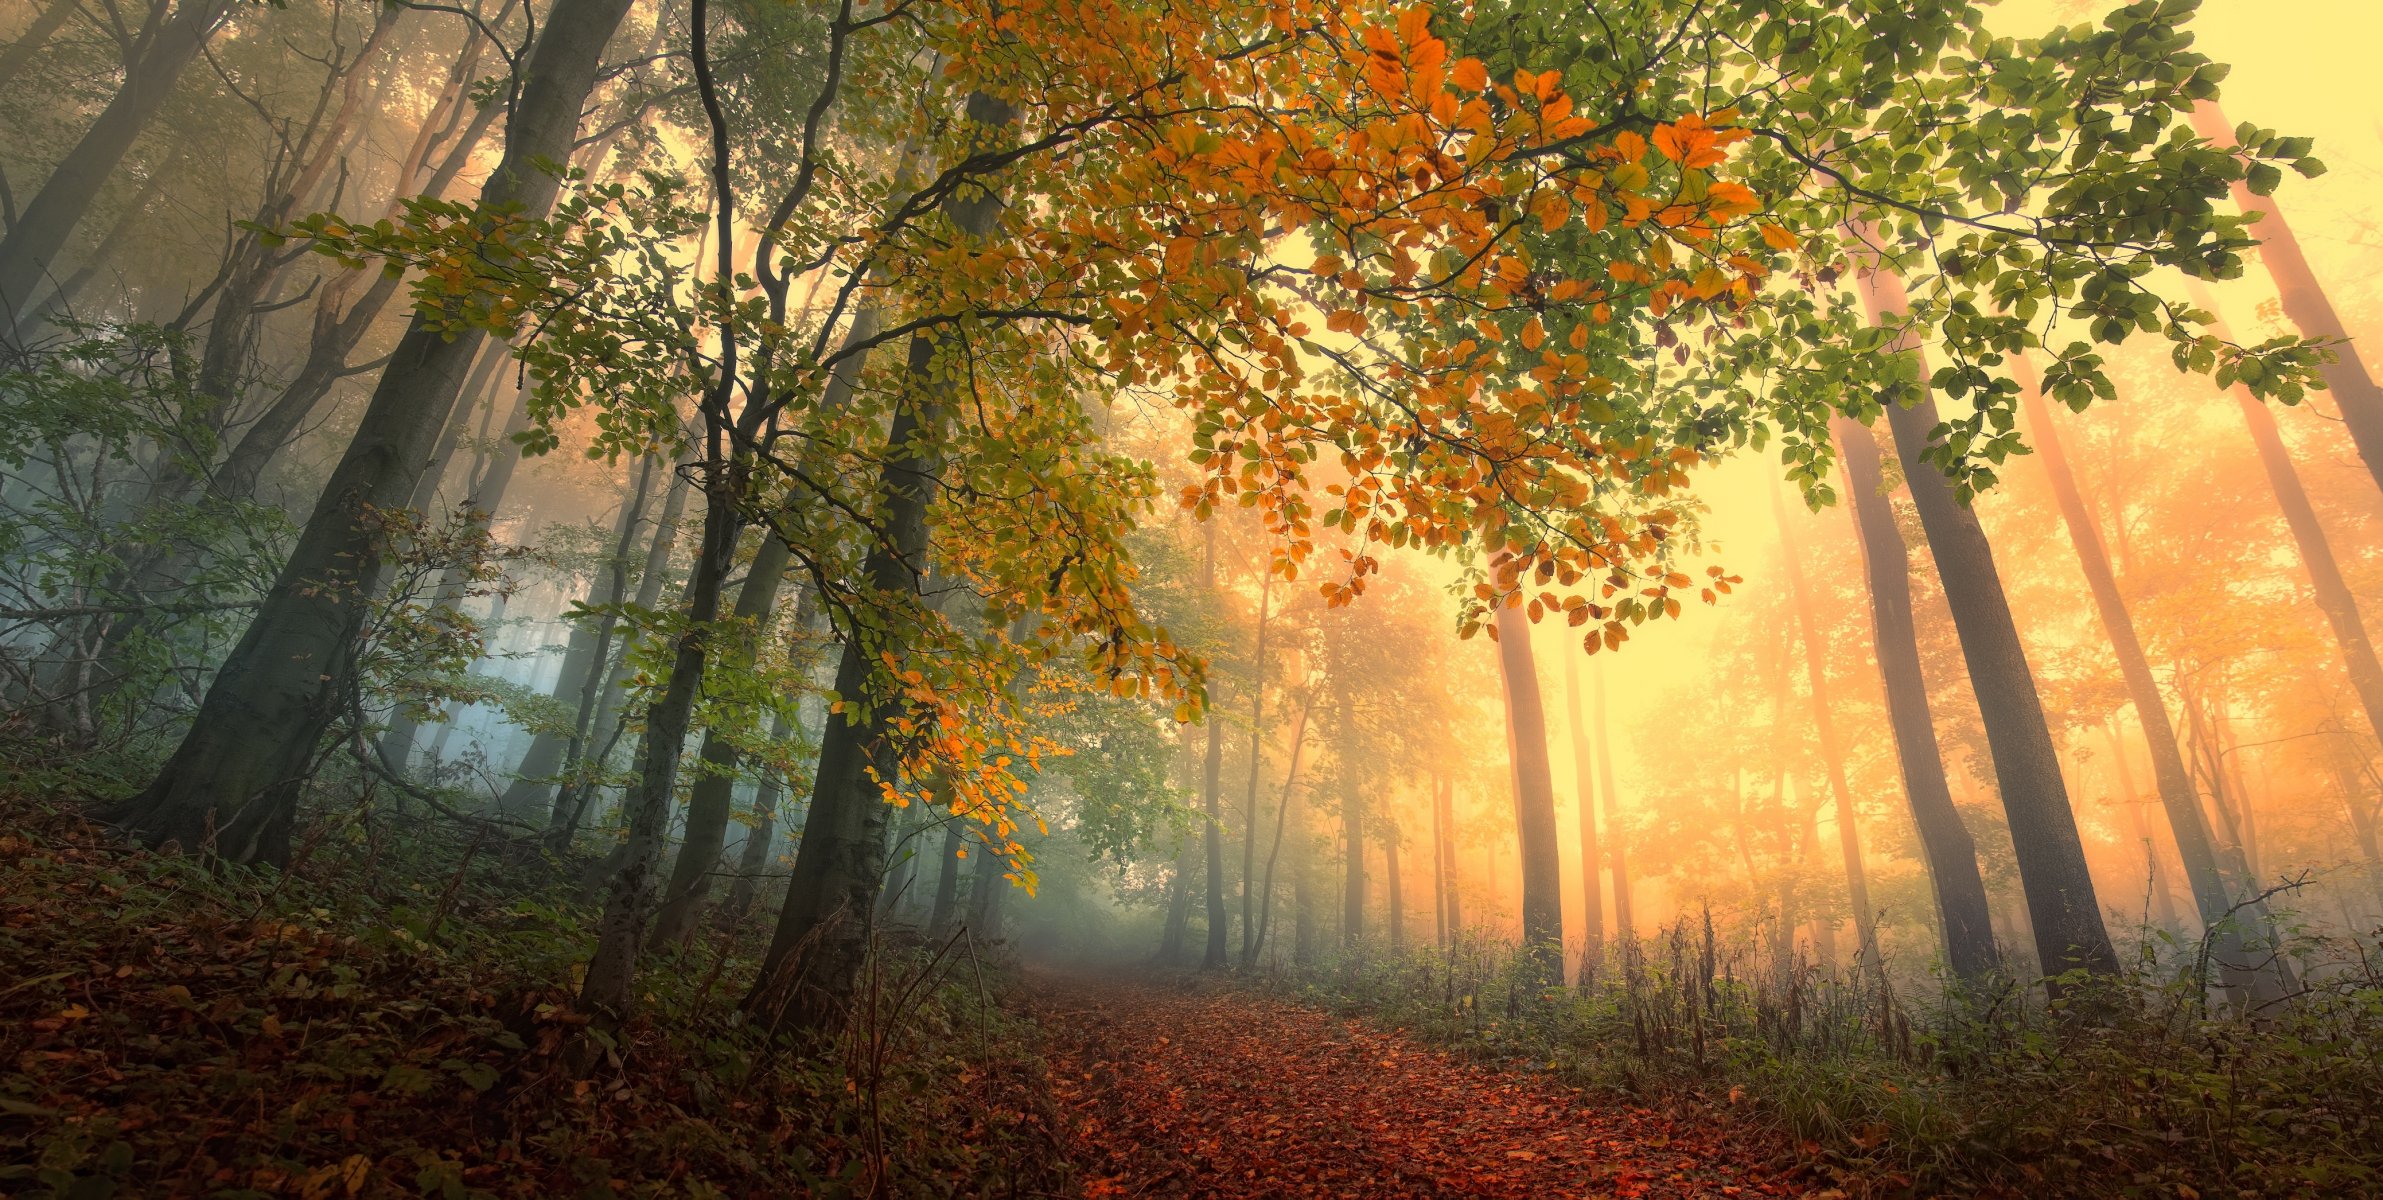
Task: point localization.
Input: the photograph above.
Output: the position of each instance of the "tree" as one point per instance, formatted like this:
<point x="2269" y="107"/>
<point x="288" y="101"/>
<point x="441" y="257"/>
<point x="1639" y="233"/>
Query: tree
<point x="1832" y="756"/>
<point x="2213" y="899"/>
<point x="2060" y="898"/>
<point x="1945" y="842"/>
<point x="1534" y="797"/>
<point x="1584" y="786"/>
<point x="2305" y="303"/>
<point x="169" y="38"/>
<point x="230" y="788"/>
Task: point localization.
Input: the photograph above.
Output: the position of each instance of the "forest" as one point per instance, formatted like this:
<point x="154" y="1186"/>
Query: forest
<point x="1518" y="598"/>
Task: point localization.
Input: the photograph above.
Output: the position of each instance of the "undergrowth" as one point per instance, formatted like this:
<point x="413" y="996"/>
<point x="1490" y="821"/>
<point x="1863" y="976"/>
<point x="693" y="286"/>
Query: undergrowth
<point x="168" y="1030"/>
<point x="2141" y="1087"/>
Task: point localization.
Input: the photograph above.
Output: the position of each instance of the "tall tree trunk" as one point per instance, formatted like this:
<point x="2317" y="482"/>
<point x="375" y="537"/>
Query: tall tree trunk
<point x="1397" y="893"/>
<point x="1534" y="798"/>
<point x="1352" y="807"/>
<point x="233" y="782"/>
<point x="2066" y="914"/>
<point x="2177" y="798"/>
<point x="1171" y="935"/>
<point x="947" y="873"/>
<point x="2163" y="901"/>
<point x="32" y="246"/>
<point x="1257" y="762"/>
<point x="600" y="718"/>
<point x="1456" y="911"/>
<point x="710" y="803"/>
<point x="1442" y="923"/>
<point x="2333" y="595"/>
<point x="1282" y="821"/>
<point x="824" y="928"/>
<point x="1616" y="842"/>
<point x="2306" y="305"/>
<point x="611" y="973"/>
<point x="1212" y="834"/>
<point x="1951" y="854"/>
<point x="1832" y="754"/>
<point x="753" y="861"/>
<point x="1584" y="787"/>
<point x="36" y="34"/>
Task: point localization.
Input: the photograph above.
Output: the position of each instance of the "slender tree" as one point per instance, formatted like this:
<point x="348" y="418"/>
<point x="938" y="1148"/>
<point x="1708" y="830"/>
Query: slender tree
<point x="2212" y="898"/>
<point x="1616" y="841"/>
<point x="1584" y="786"/>
<point x="2061" y="904"/>
<point x="232" y="784"/>
<point x="168" y="39"/>
<point x="1832" y="754"/>
<point x="1945" y="843"/>
<point x="2305" y="303"/>
<point x="1534" y="797"/>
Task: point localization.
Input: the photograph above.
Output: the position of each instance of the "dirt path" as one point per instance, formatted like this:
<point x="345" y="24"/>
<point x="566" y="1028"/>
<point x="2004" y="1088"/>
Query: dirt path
<point x="1219" y="1092"/>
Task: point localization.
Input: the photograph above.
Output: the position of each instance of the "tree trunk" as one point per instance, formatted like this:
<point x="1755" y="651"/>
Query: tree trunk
<point x="1282" y="821"/>
<point x="1352" y="811"/>
<point x="2333" y="594"/>
<point x="1832" y="754"/>
<point x="2306" y="305"/>
<point x="754" y="860"/>
<point x="1945" y="843"/>
<point x="2066" y="915"/>
<point x="1624" y="927"/>
<point x="1257" y="762"/>
<point x="2177" y="798"/>
<point x="1397" y="894"/>
<point x="233" y="782"/>
<point x="1456" y="912"/>
<point x="1534" y="798"/>
<point x="31" y="248"/>
<point x="824" y="928"/>
<point x="947" y="883"/>
<point x="36" y="34"/>
<point x="2163" y="901"/>
<point x="710" y="803"/>
<point x="611" y="973"/>
<point x="1585" y="791"/>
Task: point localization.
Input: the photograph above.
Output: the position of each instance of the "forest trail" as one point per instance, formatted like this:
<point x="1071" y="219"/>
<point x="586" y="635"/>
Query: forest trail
<point x="1208" y="1091"/>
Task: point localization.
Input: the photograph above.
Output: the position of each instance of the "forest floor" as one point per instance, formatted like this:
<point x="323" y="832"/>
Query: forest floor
<point x="1181" y="1088"/>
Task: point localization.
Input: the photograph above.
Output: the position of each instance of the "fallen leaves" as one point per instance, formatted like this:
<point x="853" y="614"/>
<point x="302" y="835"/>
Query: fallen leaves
<point x="1228" y="1093"/>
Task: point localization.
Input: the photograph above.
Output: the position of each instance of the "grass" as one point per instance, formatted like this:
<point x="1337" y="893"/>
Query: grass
<point x="2140" y="1087"/>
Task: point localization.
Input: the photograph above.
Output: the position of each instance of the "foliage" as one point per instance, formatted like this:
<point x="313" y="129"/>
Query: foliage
<point x="1910" y="1092"/>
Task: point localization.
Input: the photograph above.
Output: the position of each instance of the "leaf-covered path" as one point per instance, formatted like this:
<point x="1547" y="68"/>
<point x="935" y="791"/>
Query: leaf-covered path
<point x="1220" y="1092"/>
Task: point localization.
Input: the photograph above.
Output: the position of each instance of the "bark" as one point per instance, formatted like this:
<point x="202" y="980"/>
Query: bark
<point x="2332" y="591"/>
<point x="611" y="973"/>
<point x="2186" y="821"/>
<point x="1352" y="814"/>
<point x="1534" y="798"/>
<point x="1585" y="790"/>
<point x="598" y="723"/>
<point x="1442" y="926"/>
<point x="233" y="781"/>
<point x="1832" y="753"/>
<point x="2155" y="882"/>
<point x="2306" y="305"/>
<point x="824" y="928"/>
<point x="1616" y="841"/>
<point x="1397" y="897"/>
<point x="1282" y="821"/>
<point x="753" y="861"/>
<point x="710" y="802"/>
<point x="36" y="34"/>
<point x="2065" y="913"/>
<point x="1257" y="763"/>
<point x="1945" y="843"/>
<point x="947" y="882"/>
<point x="1212" y="834"/>
<point x="33" y="244"/>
